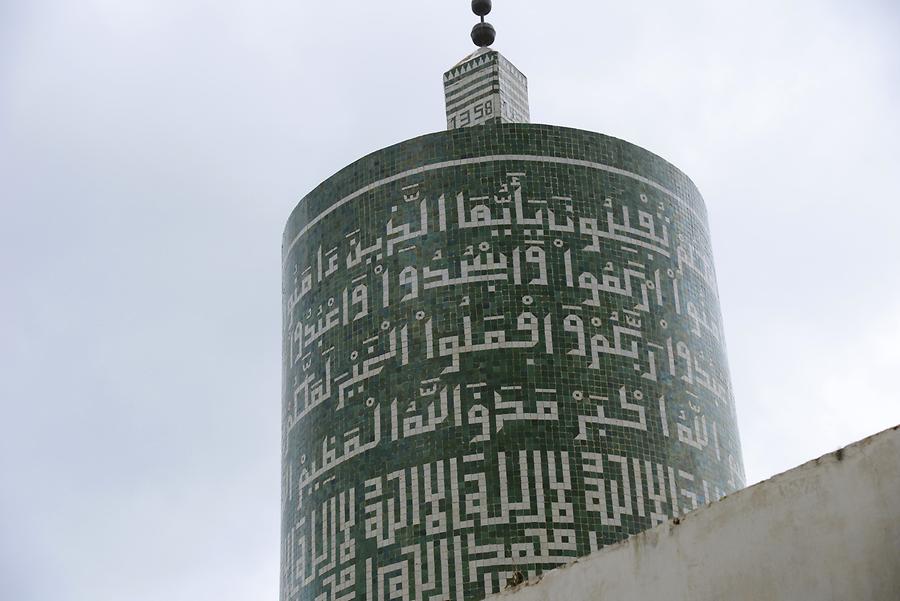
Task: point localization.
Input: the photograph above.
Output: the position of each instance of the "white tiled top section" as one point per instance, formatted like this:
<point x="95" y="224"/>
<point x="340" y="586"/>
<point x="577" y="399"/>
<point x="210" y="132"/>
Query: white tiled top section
<point x="485" y="87"/>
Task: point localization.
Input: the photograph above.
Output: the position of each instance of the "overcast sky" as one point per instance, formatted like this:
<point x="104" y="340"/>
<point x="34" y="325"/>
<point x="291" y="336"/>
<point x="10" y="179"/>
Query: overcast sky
<point x="151" y="150"/>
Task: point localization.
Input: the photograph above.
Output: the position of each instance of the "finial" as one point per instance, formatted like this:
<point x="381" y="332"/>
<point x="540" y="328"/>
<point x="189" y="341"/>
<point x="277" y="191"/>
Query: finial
<point x="483" y="34"/>
<point x="481" y="7"/>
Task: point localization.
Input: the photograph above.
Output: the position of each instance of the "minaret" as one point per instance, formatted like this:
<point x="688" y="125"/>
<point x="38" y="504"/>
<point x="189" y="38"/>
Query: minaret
<point x="503" y="350"/>
<point x="485" y="87"/>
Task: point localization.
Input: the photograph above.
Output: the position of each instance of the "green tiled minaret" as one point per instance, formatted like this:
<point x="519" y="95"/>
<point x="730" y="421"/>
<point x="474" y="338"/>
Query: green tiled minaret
<point x="503" y="350"/>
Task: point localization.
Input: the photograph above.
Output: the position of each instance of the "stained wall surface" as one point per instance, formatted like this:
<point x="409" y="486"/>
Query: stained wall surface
<point x="827" y="530"/>
<point x="502" y="350"/>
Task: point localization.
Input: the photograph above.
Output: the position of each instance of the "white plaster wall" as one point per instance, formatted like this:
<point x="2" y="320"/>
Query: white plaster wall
<point x="828" y="530"/>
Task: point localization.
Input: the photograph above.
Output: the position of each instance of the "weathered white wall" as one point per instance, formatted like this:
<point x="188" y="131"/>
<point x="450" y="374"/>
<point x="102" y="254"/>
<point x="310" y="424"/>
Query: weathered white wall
<point x="828" y="530"/>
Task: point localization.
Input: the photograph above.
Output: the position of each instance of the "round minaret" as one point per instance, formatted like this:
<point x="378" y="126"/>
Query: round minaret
<point x="503" y="350"/>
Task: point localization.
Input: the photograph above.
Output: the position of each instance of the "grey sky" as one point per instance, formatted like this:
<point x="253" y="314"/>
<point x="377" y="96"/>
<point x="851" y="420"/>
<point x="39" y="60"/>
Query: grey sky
<point x="150" y="152"/>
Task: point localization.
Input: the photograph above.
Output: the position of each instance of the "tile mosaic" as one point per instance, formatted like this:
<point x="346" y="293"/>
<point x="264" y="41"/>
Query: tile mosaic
<point x="502" y="350"/>
<point x="485" y="87"/>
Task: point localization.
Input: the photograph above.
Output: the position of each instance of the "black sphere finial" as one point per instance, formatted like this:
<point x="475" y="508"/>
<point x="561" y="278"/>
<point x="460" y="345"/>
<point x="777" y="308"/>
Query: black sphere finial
<point x="481" y="7"/>
<point x="483" y="34"/>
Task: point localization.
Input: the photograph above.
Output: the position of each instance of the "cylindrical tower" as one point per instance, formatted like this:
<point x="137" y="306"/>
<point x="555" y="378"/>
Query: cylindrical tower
<point x="502" y="350"/>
